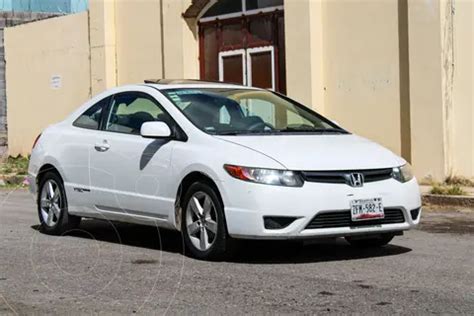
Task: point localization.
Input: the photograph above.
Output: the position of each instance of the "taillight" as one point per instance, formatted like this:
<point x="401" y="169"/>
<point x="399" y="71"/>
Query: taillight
<point x="36" y="141"/>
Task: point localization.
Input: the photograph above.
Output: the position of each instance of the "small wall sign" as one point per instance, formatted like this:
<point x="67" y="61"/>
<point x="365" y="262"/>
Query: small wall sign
<point x="56" y="82"/>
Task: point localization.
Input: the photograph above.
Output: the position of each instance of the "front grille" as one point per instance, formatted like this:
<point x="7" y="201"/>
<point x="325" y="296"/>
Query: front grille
<point x="343" y="219"/>
<point x="372" y="175"/>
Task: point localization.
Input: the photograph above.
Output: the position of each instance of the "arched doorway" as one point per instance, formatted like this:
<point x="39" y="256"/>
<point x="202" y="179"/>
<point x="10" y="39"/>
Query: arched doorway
<point x="243" y="41"/>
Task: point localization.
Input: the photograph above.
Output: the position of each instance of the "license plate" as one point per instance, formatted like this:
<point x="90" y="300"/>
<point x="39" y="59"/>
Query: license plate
<point x="367" y="209"/>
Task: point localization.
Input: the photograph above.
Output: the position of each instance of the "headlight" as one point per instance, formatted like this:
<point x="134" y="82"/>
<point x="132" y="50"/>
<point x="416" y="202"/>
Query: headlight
<point x="265" y="176"/>
<point x="403" y="173"/>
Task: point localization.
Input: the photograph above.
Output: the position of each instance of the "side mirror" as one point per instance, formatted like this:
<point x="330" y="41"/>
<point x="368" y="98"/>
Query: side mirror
<point x="155" y="130"/>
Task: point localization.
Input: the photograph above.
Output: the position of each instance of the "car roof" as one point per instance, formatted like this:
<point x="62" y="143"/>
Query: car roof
<point x="165" y="84"/>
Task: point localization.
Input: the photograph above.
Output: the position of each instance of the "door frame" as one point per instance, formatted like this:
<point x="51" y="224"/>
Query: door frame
<point x="230" y="53"/>
<point x="262" y="49"/>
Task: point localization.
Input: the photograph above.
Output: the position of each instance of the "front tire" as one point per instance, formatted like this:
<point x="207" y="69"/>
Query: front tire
<point x="52" y="206"/>
<point x="203" y="223"/>
<point x="370" y="242"/>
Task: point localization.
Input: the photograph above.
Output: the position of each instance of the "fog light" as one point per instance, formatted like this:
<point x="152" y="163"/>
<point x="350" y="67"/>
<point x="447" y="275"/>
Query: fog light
<point x="414" y="214"/>
<point x="277" y="222"/>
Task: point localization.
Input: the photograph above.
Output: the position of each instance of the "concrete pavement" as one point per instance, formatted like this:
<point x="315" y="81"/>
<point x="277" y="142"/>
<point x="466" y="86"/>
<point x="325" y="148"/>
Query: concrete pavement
<point x="111" y="268"/>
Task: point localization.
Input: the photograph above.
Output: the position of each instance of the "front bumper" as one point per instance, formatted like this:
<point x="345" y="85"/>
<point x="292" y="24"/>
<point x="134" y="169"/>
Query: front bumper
<point x="32" y="183"/>
<point x="247" y="204"/>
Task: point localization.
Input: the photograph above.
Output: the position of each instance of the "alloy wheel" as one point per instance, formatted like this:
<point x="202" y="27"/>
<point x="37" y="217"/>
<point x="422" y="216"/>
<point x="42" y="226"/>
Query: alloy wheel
<point x="50" y="203"/>
<point x="201" y="221"/>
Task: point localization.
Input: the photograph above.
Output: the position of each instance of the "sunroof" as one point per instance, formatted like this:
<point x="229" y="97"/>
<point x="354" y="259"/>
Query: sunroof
<point x="178" y="81"/>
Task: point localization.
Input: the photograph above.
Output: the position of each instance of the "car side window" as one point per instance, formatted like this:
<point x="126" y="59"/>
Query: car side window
<point x="224" y="116"/>
<point x="91" y="118"/>
<point x="130" y="110"/>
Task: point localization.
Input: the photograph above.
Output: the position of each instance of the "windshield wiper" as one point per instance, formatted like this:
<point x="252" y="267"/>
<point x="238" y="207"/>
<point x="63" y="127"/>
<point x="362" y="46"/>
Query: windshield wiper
<point x="314" y="130"/>
<point x="229" y="133"/>
<point x="244" y="132"/>
<point x="283" y="131"/>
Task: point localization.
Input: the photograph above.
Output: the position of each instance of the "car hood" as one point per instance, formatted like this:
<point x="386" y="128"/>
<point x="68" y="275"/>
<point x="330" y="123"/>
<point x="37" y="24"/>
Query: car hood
<point x="320" y="152"/>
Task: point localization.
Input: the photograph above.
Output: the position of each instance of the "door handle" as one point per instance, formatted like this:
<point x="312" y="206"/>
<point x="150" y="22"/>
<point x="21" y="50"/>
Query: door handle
<point x="102" y="147"/>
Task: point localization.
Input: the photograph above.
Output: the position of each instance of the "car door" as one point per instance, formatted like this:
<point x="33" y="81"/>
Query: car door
<point x="76" y="155"/>
<point x="127" y="170"/>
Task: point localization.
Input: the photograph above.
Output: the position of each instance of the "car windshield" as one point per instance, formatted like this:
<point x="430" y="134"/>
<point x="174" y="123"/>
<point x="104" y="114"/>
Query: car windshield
<point x="227" y="111"/>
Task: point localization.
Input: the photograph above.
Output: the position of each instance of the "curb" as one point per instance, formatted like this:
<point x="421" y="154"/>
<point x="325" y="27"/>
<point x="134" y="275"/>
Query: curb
<point x="451" y="200"/>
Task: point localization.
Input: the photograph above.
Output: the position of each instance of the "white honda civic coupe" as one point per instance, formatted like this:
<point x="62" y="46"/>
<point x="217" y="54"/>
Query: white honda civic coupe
<point x="219" y="162"/>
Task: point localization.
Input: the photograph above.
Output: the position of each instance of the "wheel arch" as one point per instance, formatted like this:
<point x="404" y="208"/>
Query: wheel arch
<point x="47" y="167"/>
<point x="186" y="182"/>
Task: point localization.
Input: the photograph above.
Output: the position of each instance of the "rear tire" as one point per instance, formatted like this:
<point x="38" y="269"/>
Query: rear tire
<point x="52" y="206"/>
<point x="370" y="242"/>
<point x="203" y="223"/>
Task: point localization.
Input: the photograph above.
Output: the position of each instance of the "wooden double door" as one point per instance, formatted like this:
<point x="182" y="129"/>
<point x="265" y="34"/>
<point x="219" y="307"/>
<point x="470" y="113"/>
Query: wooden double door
<point x="249" y="50"/>
<point x="252" y="67"/>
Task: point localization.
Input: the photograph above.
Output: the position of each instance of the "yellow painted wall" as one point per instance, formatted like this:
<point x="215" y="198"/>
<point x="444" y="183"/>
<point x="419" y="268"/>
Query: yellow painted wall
<point x="181" y="43"/>
<point x="118" y="42"/>
<point x="385" y="71"/>
<point x="138" y="35"/>
<point x="143" y="40"/>
<point x="343" y="61"/>
<point x="304" y="52"/>
<point x="361" y="68"/>
<point x="463" y="92"/>
<point x="34" y="53"/>
<point x="427" y="118"/>
<point x="103" y="51"/>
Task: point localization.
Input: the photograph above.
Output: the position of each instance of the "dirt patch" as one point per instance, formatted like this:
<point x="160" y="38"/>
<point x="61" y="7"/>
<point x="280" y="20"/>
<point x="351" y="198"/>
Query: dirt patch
<point x="448" y="200"/>
<point x="446" y="209"/>
<point x="450" y="226"/>
<point x="443" y="221"/>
